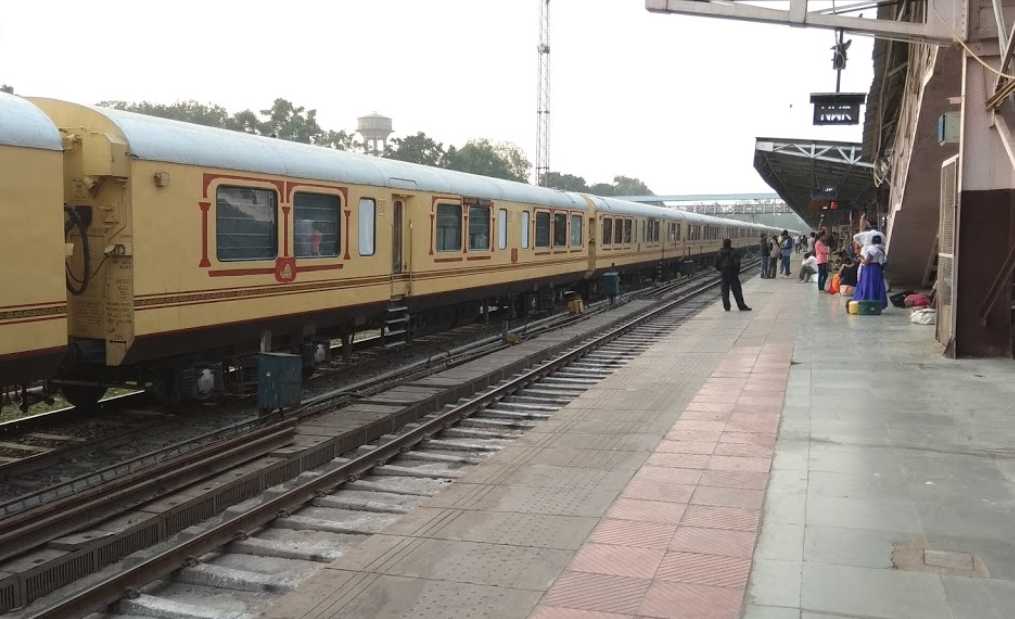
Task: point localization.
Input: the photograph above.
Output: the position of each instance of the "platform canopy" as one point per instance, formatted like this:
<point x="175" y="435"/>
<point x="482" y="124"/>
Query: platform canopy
<point x="820" y="180"/>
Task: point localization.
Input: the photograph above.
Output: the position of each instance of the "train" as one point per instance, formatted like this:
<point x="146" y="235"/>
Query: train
<point x="157" y="253"/>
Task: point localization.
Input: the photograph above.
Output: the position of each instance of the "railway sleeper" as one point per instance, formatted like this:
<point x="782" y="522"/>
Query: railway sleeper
<point x="524" y="406"/>
<point x="452" y="445"/>
<point x="342" y="501"/>
<point x="459" y="432"/>
<point x="506" y="414"/>
<point x="428" y="471"/>
<point x="211" y="575"/>
<point x="482" y="422"/>
<point x="300" y="551"/>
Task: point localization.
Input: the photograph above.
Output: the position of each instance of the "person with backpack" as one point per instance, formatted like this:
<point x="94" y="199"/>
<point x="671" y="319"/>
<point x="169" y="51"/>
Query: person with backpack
<point x="728" y="265"/>
<point x="786" y="250"/>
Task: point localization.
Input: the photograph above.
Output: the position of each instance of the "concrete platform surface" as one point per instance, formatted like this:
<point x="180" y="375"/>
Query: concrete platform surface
<point x="789" y="462"/>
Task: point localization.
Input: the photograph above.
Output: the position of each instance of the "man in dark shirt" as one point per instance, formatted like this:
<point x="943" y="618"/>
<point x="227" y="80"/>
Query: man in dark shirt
<point x="728" y="265"/>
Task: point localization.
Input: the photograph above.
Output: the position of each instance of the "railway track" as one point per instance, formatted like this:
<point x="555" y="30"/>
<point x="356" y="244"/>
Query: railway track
<point x="70" y="452"/>
<point x="79" y="512"/>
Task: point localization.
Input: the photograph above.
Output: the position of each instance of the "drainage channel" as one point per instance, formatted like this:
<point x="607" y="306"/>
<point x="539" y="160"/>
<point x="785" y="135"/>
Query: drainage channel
<point x="268" y="545"/>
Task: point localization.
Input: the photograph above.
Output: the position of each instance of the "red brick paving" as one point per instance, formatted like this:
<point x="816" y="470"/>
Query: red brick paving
<point x="646" y="511"/>
<point x="634" y="532"/>
<point x="680" y="540"/>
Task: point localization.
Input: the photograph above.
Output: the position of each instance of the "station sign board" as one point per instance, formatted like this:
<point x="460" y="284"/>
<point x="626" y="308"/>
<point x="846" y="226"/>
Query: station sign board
<point x="824" y="193"/>
<point x="837" y="108"/>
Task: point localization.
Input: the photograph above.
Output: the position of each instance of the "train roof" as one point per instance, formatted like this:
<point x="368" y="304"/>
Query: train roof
<point x="22" y="124"/>
<point x="625" y="207"/>
<point x="152" y="138"/>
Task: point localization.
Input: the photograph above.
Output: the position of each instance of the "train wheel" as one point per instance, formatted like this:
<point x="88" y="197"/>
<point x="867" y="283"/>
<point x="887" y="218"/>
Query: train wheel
<point x="85" y="397"/>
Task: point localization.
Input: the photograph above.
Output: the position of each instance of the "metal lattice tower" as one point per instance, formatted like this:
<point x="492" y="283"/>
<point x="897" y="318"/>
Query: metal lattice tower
<point x="543" y="96"/>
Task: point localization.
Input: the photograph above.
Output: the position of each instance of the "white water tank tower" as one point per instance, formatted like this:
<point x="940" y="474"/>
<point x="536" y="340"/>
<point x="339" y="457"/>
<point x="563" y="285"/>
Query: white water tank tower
<point x="375" y="130"/>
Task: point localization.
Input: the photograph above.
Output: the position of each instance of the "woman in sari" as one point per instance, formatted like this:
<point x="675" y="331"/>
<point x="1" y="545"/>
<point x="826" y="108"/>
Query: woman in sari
<point x="871" y="284"/>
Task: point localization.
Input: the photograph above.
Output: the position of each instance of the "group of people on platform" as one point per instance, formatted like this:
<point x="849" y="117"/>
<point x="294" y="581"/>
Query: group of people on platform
<point x="860" y="265"/>
<point x="775" y="254"/>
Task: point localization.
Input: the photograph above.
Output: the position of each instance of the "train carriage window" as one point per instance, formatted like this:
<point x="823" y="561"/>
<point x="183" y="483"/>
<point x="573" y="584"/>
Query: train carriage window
<point x="502" y="229"/>
<point x="366" y="226"/>
<point x="607" y="231"/>
<point x="576" y="230"/>
<point x="560" y="229"/>
<point x="479" y="227"/>
<point x="316" y="225"/>
<point x="449" y="227"/>
<point x="628" y="230"/>
<point x="525" y="229"/>
<point x="542" y="229"/>
<point x="246" y="223"/>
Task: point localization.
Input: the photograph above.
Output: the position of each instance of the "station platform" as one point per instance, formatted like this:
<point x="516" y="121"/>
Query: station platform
<point x="793" y="461"/>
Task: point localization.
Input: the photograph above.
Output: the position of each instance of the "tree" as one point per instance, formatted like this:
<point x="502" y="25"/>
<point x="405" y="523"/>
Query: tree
<point x="8" y="89"/>
<point x="602" y="189"/>
<point x="339" y="140"/>
<point x="629" y="186"/>
<point x="565" y="182"/>
<point x="419" y="148"/>
<point x="481" y="157"/>
<point x="245" y="121"/>
<point x="209" y="114"/>
<point x="291" y="122"/>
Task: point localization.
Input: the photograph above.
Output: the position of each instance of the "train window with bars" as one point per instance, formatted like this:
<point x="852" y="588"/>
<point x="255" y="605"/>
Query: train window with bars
<point x="560" y="230"/>
<point x="542" y="229"/>
<point x="246" y="223"/>
<point x="576" y="230"/>
<point x="366" y="222"/>
<point x="628" y="230"/>
<point x="525" y="229"/>
<point x="316" y="225"/>
<point x="449" y="227"/>
<point x="479" y="227"/>
<point x="607" y="231"/>
<point x="502" y="231"/>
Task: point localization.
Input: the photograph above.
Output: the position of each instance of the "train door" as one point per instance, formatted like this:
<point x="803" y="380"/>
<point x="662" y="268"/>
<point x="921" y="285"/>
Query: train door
<point x="400" y="255"/>
<point x="396" y="237"/>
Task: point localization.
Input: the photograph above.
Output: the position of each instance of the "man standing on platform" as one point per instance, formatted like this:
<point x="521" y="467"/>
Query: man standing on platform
<point x="764" y="256"/>
<point x="728" y="265"/>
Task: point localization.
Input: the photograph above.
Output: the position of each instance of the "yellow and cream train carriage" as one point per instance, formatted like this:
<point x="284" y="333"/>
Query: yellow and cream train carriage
<point x="193" y="245"/>
<point x="33" y="298"/>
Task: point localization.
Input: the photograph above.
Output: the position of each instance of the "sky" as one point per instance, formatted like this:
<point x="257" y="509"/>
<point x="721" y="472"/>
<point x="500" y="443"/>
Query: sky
<point x="674" y="100"/>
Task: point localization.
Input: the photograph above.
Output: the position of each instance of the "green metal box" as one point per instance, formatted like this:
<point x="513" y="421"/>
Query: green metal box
<point x="279" y="381"/>
<point x="611" y="283"/>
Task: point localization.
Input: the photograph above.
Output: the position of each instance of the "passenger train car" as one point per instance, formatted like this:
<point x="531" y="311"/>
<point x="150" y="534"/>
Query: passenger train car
<point x="186" y="247"/>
